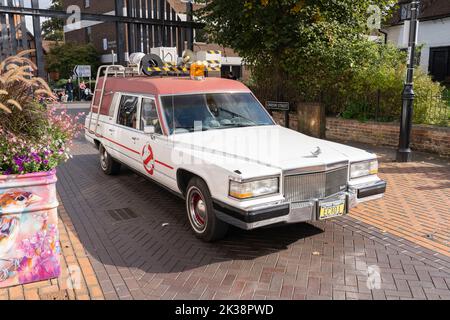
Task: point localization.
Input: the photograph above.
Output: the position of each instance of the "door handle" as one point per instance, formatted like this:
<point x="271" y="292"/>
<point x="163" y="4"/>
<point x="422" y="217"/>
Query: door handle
<point x="135" y="139"/>
<point x="111" y="130"/>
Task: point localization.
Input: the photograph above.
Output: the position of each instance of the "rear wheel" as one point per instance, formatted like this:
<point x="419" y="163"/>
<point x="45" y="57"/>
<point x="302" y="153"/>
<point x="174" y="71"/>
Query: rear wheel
<point x="200" y="211"/>
<point x="107" y="163"/>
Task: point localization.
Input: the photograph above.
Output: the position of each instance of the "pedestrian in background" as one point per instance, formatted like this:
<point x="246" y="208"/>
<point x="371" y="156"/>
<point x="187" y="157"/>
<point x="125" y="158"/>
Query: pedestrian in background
<point x="69" y="90"/>
<point x="88" y="94"/>
<point x="82" y="90"/>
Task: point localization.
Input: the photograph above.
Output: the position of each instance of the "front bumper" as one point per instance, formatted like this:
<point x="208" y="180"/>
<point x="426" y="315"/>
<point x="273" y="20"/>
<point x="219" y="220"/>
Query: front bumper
<point x="285" y="213"/>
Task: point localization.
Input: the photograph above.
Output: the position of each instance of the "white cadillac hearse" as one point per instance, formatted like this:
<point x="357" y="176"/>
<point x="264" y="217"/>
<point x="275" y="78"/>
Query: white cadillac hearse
<point x="211" y="142"/>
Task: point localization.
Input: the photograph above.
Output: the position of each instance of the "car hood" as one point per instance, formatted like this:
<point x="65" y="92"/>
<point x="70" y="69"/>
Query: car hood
<point x="272" y="146"/>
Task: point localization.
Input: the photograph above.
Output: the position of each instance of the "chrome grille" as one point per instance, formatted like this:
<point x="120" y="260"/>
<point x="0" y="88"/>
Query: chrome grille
<point x="318" y="185"/>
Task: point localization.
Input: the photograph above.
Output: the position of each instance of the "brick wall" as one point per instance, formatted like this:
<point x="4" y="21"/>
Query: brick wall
<point x="99" y="31"/>
<point x="424" y="138"/>
<point x="279" y="118"/>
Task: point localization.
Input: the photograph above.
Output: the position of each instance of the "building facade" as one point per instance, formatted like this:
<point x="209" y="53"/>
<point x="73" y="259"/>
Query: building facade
<point x="433" y="35"/>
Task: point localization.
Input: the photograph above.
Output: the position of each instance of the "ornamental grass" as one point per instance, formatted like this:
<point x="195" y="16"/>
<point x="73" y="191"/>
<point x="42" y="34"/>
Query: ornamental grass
<point x="36" y="132"/>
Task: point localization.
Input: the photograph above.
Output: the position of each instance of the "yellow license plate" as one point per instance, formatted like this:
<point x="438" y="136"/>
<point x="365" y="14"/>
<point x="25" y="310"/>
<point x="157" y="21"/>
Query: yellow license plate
<point x="336" y="209"/>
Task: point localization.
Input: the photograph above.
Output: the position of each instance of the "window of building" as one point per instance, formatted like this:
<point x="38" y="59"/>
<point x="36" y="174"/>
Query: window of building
<point x="149" y="115"/>
<point x="89" y="34"/>
<point x="128" y="112"/>
<point x="405" y="11"/>
<point x="439" y="66"/>
<point x="87" y="3"/>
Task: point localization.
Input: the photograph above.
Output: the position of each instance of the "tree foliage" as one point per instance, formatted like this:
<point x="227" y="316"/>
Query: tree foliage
<point x="309" y="43"/>
<point x="62" y="58"/>
<point x="53" y="29"/>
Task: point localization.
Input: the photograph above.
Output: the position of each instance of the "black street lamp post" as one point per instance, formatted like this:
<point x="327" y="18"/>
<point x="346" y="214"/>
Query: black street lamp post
<point x="404" y="150"/>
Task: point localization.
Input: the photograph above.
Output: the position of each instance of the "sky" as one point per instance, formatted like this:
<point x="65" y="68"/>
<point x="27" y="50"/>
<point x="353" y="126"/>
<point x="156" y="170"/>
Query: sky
<point x="43" y="4"/>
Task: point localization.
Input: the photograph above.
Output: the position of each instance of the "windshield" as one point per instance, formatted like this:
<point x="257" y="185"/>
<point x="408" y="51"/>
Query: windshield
<point x="213" y="111"/>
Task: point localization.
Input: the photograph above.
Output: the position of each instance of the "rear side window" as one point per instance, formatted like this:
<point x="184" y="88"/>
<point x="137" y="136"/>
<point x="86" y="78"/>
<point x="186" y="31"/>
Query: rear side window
<point x="149" y="115"/>
<point x="128" y="112"/>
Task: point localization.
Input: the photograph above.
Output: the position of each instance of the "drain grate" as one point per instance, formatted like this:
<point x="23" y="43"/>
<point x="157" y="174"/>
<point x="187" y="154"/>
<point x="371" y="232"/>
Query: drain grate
<point x="122" y="214"/>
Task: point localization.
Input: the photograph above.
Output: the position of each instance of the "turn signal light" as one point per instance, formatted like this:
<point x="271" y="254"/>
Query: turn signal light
<point x="241" y="195"/>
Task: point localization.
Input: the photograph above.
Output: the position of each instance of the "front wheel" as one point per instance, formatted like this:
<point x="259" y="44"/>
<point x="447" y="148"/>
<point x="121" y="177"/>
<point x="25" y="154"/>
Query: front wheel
<point x="107" y="163"/>
<point x="199" y="207"/>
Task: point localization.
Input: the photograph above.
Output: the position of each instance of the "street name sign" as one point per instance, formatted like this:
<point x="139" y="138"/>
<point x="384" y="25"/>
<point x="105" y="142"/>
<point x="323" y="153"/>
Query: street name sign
<point x="278" y="106"/>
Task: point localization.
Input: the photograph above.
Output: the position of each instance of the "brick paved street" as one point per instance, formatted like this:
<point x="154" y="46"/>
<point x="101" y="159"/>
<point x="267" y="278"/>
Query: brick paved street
<point x="152" y="253"/>
<point x="416" y="206"/>
<point x="146" y="250"/>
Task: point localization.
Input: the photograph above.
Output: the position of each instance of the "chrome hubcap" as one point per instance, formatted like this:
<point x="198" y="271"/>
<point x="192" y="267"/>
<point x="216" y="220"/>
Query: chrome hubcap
<point x="197" y="210"/>
<point x="103" y="159"/>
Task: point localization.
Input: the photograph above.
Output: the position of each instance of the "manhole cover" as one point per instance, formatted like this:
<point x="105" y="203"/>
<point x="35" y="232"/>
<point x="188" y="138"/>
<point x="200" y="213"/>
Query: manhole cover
<point x="122" y="214"/>
<point x="60" y="295"/>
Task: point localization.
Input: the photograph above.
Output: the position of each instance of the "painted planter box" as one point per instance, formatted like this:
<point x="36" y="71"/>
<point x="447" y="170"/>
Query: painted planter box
<point x="29" y="239"/>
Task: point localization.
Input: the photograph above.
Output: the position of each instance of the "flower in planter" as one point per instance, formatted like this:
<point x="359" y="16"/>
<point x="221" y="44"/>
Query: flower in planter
<point x="35" y="132"/>
<point x="35" y="137"/>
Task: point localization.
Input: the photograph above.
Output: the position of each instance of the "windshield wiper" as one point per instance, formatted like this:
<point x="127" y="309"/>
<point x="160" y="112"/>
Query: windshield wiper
<point x="235" y="125"/>
<point x="236" y="115"/>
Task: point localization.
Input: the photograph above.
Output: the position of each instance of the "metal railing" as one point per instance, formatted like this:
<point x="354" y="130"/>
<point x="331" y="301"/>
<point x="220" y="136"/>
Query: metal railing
<point x="429" y="108"/>
<point x="143" y="25"/>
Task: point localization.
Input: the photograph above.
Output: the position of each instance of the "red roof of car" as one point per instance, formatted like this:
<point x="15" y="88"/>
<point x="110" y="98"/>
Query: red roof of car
<point x="159" y="86"/>
<point x="165" y="86"/>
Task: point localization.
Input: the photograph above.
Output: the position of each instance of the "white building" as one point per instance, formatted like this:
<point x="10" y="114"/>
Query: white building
<point x="433" y="35"/>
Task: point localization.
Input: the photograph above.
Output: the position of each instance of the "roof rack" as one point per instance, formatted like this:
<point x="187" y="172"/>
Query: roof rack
<point x="109" y="70"/>
<point x="168" y="67"/>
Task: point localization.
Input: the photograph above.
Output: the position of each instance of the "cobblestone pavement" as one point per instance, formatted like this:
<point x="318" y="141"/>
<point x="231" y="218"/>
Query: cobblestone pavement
<point x="417" y="203"/>
<point x="127" y="238"/>
<point x="139" y="244"/>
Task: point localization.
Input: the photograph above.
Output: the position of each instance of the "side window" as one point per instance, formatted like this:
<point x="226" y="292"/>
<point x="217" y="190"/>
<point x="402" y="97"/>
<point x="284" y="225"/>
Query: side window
<point x="128" y="112"/>
<point x="149" y="115"/>
<point x="112" y="106"/>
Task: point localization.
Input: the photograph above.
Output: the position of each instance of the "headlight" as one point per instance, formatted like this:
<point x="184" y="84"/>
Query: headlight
<point x="362" y="169"/>
<point x="253" y="189"/>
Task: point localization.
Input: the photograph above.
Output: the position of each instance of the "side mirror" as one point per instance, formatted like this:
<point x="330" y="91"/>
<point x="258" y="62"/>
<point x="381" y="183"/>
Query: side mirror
<point x="149" y="129"/>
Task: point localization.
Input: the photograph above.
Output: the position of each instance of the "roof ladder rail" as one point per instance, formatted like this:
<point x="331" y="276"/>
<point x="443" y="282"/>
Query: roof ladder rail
<point x="108" y="70"/>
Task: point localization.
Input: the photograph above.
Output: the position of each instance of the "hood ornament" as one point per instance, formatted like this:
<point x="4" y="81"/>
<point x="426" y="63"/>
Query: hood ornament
<point x="316" y="152"/>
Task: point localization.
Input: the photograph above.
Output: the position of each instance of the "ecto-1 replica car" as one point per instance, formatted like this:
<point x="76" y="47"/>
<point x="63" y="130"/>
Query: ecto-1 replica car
<point x="211" y="142"/>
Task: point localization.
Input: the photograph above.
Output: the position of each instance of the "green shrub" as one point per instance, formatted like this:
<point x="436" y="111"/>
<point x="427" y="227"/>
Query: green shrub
<point x="356" y="110"/>
<point x="371" y="89"/>
<point x="62" y="58"/>
<point x="429" y="105"/>
<point x="375" y="92"/>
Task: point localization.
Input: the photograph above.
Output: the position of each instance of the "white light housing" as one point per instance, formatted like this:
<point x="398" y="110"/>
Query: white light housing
<point x="364" y="168"/>
<point x="254" y="189"/>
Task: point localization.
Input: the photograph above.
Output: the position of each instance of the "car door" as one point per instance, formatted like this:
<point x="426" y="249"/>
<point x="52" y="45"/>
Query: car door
<point x="127" y="133"/>
<point x="154" y="147"/>
<point x="109" y="128"/>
